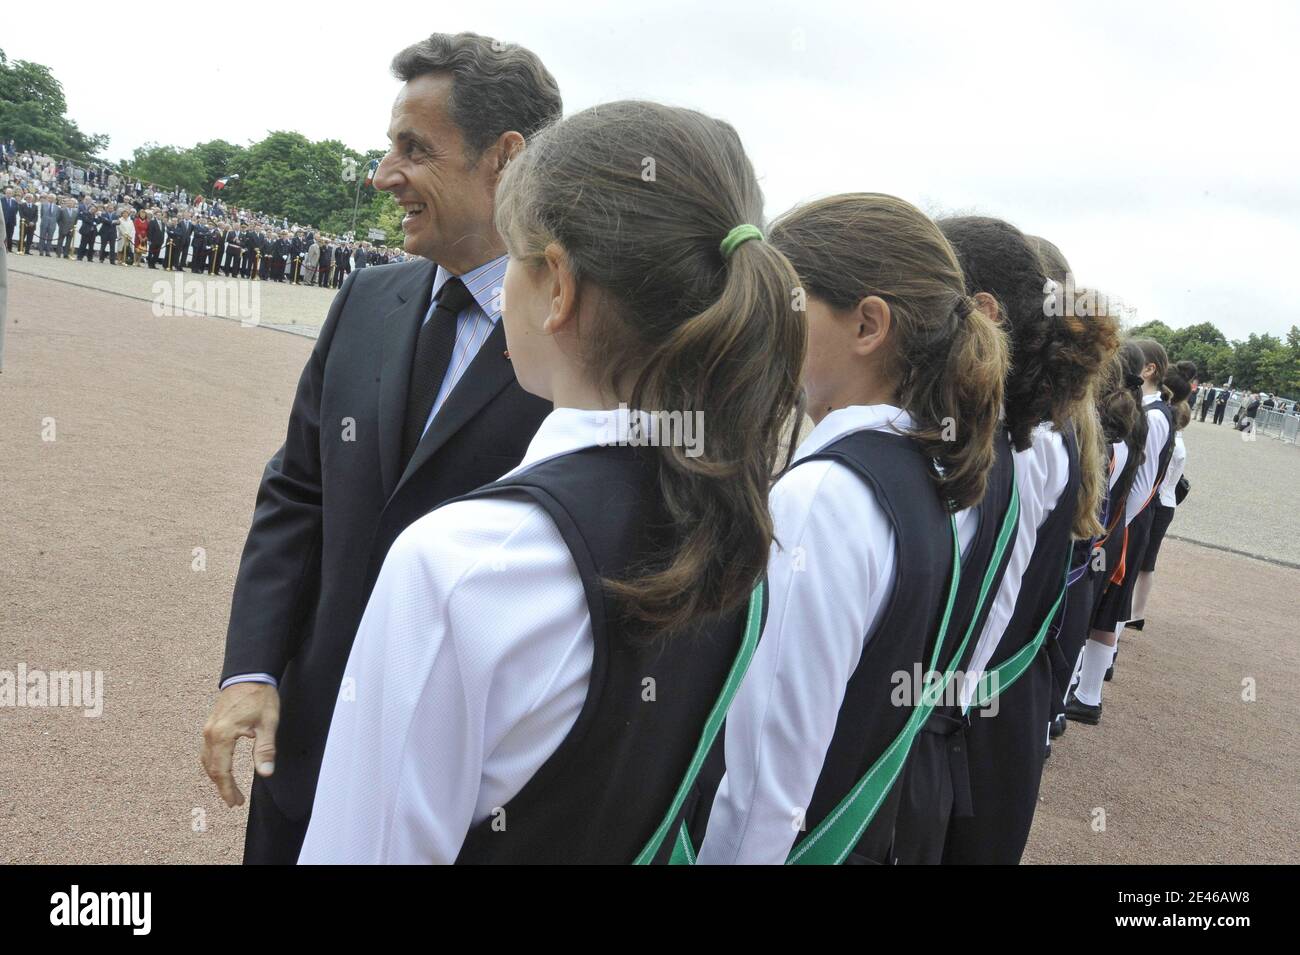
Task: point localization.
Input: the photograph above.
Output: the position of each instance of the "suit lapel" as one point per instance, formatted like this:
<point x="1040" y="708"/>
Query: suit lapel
<point x="400" y="328"/>
<point x="483" y="380"/>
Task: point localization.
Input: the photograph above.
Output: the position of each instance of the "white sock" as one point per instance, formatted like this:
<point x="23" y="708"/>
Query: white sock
<point x="1096" y="658"/>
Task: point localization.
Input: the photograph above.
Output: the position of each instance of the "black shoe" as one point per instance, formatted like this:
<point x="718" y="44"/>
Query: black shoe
<point x="1057" y="728"/>
<point x="1135" y="624"/>
<point x="1081" y="712"/>
<point x="1110" y="673"/>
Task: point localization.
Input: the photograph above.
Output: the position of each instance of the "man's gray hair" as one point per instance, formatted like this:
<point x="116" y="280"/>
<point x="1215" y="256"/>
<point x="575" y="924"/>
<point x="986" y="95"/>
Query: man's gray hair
<point x="496" y="87"/>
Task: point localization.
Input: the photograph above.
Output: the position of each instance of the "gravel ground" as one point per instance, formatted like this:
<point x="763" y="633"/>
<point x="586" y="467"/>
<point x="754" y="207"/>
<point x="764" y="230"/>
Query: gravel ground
<point x="161" y="429"/>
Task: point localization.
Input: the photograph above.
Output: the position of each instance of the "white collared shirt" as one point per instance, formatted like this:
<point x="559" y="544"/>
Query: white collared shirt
<point x="469" y="668"/>
<point x="474" y="323"/>
<point x="1177" y="463"/>
<point x="831" y="572"/>
<point x="1042" y="471"/>
<point x="1145" y="478"/>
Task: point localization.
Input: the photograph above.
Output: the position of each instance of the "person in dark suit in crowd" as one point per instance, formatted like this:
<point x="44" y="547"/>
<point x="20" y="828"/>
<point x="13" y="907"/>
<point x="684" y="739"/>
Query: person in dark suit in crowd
<point x="48" y="230"/>
<point x="1208" y="395"/>
<point x="234" y="249"/>
<point x="1221" y="403"/>
<point x="87" y="230"/>
<point x="67" y="221"/>
<point x="325" y="265"/>
<point x="248" y="246"/>
<point x="361" y="257"/>
<point x="157" y="240"/>
<point x="10" y="206"/>
<point x="182" y="234"/>
<point x="28" y="212"/>
<point x="107" y="221"/>
<point x="280" y="247"/>
<point x="379" y="435"/>
<point x="265" y="249"/>
<point x="199" y="248"/>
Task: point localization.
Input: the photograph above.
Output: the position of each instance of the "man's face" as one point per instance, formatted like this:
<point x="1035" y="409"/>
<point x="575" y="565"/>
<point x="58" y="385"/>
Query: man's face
<point x="447" y="197"/>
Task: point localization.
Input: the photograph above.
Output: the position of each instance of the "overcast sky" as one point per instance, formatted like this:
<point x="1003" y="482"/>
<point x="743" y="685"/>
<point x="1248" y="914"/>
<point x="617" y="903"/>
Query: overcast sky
<point x="1155" y="143"/>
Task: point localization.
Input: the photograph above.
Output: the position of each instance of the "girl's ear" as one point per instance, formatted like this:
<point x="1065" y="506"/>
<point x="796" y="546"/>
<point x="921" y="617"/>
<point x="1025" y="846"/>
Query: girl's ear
<point x="563" y="289"/>
<point x="987" y="304"/>
<point x="873" y="320"/>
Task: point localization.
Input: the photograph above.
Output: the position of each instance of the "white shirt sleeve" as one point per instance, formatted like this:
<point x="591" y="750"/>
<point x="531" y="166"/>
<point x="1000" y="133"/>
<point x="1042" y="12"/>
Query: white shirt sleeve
<point x="469" y="668"/>
<point x="829" y="576"/>
<point x="1042" y="471"/>
<point x="1121" y="459"/>
<point x="1145" y="478"/>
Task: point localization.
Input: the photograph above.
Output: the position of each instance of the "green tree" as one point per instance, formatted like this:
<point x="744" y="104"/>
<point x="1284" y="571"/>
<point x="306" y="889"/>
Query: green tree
<point x="168" y="167"/>
<point x="33" y="113"/>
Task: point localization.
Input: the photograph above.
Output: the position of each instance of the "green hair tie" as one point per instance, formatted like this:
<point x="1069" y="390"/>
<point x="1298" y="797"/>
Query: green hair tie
<point x="738" y="236"/>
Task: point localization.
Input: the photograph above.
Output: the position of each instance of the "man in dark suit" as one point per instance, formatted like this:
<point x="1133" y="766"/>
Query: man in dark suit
<point x="67" y="226"/>
<point x="10" y="207"/>
<point x="1221" y="403"/>
<point x="181" y="236"/>
<point x="1207" y="399"/>
<point x="265" y="250"/>
<point x="384" y="426"/>
<point x="157" y="238"/>
<point x="360" y="258"/>
<point x="107" y="222"/>
<point x="342" y="263"/>
<point x="28" y="212"/>
<point x="248" y="245"/>
<point x="87" y="230"/>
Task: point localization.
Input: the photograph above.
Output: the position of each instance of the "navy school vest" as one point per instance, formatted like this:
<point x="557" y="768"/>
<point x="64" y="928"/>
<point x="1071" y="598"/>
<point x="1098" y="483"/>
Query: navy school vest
<point x="1044" y="575"/>
<point x="902" y="478"/>
<point x="599" y="797"/>
<point x="936" y="781"/>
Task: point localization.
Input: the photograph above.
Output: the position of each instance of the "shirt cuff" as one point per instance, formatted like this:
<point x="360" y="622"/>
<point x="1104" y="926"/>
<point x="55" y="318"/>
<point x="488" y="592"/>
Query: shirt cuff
<point x="250" y="678"/>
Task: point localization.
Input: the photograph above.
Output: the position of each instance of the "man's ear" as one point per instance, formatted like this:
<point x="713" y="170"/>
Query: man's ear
<point x="563" y="290"/>
<point x="987" y="304"/>
<point x="872" y="323"/>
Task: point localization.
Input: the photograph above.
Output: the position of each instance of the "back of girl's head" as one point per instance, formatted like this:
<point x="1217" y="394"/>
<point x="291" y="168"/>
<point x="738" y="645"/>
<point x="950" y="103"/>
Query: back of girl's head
<point x="639" y="197"/>
<point x="1054" y="263"/>
<point x="946" y="358"/>
<point x="1053" y="357"/>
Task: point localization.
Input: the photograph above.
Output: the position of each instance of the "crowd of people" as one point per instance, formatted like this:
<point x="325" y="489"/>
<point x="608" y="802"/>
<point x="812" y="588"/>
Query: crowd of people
<point x="1213" y="402"/>
<point x="52" y="207"/>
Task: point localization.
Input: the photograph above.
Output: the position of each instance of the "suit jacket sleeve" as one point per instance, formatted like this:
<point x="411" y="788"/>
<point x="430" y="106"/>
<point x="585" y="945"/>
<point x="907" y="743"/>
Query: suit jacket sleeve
<point x="279" y="574"/>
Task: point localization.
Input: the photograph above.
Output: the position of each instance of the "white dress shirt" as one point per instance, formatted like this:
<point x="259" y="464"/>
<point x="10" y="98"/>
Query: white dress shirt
<point x="1120" y="450"/>
<point x="473" y="326"/>
<point x="1042" y="471"/>
<point x="831" y="571"/>
<point x="1145" y="479"/>
<point x="1176" y="465"/>
<point x="470" y="667"/>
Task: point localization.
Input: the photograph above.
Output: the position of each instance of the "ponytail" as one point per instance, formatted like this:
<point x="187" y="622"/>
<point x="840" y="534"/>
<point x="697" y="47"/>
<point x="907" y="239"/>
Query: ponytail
<point x="956" y="403"/>
<point x="682" y="325"/>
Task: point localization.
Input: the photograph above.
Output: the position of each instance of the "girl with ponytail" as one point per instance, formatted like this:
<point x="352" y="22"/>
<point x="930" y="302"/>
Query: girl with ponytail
<point x="904" y="381"/>
<point x="537" y="667"/>
<point x="1055" y="358"/>
<point x="1123" y="431"/>
<point x="1145" y="366"/>
<point x="1166" y="500"/>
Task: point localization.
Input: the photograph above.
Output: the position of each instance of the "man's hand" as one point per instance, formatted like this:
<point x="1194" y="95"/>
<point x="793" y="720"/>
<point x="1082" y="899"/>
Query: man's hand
<point x="242" y="709"/>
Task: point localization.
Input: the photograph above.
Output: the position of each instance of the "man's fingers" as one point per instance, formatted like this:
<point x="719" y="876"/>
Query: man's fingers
<point x="264" y="743"/>
<point x="218" y="760"/>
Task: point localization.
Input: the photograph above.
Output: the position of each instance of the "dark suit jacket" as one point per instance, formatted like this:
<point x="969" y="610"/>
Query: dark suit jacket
<point x="328" y="509"/>
<point x="107" y="226"/>
<point x="10" y="206"/>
